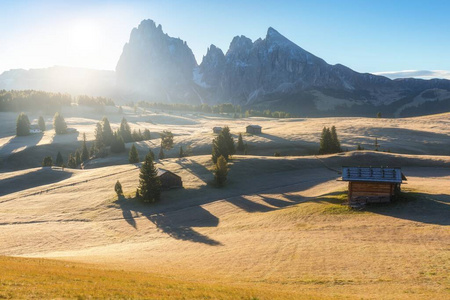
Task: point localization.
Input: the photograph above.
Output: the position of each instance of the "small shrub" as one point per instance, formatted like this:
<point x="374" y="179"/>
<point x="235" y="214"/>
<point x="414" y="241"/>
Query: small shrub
<point x="118" y="188"/>
<point x="47" y="162"/>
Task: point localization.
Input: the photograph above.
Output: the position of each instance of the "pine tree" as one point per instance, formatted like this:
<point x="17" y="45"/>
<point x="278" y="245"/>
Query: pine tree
<point x="223" y="145"/>
<point x="240" y="144"/>
<point x="379" y="115"/>
<point x="47" y="162"/>
<point x="149" y="189"/>
<point x="325" y="141"/>
<point x="84" y="149"/>
<point x="125" y="131"/>
<point x="376" y="144"/>
<point x="59" y="160"/>
<point x="133" y="156"/>
<point x="166" y="140"/>
<point x="106" y="131"/>
<point x="78" y="158"/>
<point x="99" y="142"/>
<point x="147" y="135"/>
<point x="152" y="155"/>
<point x="22" y="125"/>
<point x="221" y="171"/>
<point x="118" y="188"/>
<point x="335" y="144"/>
<point x="118" y="144"/>
<point x="41" y="124"/>
<point x="59" y="124"/>
<point x="161" y="153"/>
<point x="181" y="153"/>
<point x="71" y="162"/>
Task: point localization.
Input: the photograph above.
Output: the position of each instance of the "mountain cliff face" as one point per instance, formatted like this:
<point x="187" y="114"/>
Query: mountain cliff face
<point x="276" y="73"/>
<point x="155" y="66"/>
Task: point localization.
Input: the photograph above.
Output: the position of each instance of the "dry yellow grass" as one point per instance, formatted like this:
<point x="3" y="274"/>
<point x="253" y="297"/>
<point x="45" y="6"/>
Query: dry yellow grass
<point x="277" y="230"/>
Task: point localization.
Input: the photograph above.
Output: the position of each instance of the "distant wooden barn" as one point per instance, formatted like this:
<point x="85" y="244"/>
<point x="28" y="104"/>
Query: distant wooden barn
<point x="254" y="129"/>
<point x="169" y="180"/>
<point x="217" y="130"/>
<point x="372" y="185"/>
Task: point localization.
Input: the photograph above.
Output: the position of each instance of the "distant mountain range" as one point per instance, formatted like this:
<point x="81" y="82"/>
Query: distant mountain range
<point x="270" y="73"/>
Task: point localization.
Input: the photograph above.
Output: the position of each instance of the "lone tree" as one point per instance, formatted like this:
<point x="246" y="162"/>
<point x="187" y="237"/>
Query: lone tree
<point x="84" y="149"/>
<point x="41" y="124"/>
<point x="118" y="188"/>
<point x="59" y="160"/>
<point x="133" y="157"/>
<point x="22" y="125"/>
<point x="59" y="124"/>
<point x="149" y="189"/>
<point x="221" y="171"/>
<point x="240" y="143"/>
<point x="166" y="140"/>
<point x="379" y="115"/>
<point x="47" y="162"/>
<point x="223" y="145"/>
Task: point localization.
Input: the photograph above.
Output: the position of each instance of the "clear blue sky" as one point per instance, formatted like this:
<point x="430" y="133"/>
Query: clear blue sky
<point x="367" y="36"/>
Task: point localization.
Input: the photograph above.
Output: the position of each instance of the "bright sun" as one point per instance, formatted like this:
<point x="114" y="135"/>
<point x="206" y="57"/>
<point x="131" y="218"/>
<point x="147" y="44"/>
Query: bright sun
<point x="84" y="37"/>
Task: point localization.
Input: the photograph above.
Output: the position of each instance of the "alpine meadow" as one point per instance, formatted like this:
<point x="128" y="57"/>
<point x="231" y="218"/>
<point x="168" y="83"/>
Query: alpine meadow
<point x="216" y="158"/>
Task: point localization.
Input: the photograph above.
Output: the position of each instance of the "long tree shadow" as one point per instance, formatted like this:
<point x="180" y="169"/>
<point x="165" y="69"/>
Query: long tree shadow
<point x="20" y="142"/>
<point x="418" y="207"/>
<point x="33" y="179"/>
<point x="176" y="223"/>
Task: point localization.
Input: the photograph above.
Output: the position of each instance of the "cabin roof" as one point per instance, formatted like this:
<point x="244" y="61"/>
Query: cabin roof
<point x="373" y="174"/>
<point x="254" y="126"/>
<point x="162" y="172"/>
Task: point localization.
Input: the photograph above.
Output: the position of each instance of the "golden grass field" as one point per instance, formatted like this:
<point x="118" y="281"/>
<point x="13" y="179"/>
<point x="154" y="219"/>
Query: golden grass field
<point x="278" y="230"/>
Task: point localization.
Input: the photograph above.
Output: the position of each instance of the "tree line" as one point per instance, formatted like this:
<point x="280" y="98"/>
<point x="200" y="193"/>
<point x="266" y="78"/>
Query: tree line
<point x="31" y="100"/>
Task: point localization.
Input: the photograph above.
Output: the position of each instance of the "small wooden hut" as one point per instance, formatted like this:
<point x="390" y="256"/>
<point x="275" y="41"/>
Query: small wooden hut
<point x="217" y="130"/>
<point x="169" y="180"/>
<point x="372" y="185"/>
<point x="254" y="129"/>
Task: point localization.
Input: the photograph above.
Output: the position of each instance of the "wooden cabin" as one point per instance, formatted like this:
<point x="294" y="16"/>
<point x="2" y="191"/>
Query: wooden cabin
<point x="217" y="130"/>
<point x="372" y="185"/>
<point x="253" y="129"/>
<point x="169" y="180"/>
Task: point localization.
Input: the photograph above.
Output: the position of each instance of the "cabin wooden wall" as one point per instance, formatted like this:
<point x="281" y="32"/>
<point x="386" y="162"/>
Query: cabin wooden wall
<point x="370" y="192"/>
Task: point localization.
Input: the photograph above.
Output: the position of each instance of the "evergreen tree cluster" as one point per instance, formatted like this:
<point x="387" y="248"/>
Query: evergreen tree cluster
<point x="223" y="145"/>
<point x="74" y="160"/>
<point x="240" y="143"/>
<point x="30" y="100"/>
<point x="223" y="108"/>
<point x="94" y="101"/>
<point x="47" y="162"/>
<point x="22" y="125"/>
<point x="329" y="141"/>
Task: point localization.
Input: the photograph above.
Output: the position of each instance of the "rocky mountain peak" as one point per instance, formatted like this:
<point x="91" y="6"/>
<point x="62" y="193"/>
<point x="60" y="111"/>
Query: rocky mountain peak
<point x="240" y="43"/>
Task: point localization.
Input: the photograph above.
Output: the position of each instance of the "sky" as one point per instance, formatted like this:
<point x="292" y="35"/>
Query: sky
<point x="382" y="37"/>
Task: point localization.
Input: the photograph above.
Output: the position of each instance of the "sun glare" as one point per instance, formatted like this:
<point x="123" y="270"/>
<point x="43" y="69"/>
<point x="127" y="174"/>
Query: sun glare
<point x="84" y="36"/>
